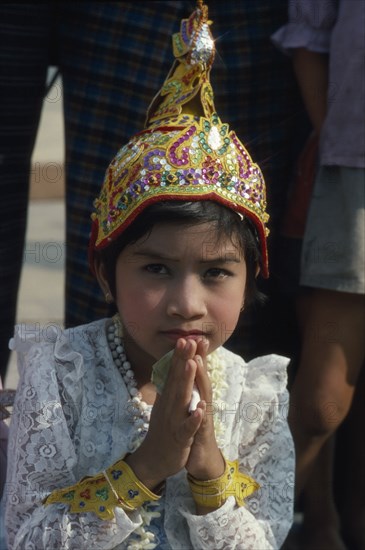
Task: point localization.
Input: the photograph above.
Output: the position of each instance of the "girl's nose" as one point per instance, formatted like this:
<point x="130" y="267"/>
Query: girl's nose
<point x="187" y="299"/>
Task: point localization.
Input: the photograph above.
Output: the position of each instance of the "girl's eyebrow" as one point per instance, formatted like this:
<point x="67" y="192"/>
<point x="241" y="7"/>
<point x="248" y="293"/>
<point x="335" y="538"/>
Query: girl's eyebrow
<point x="221" y="259"/>
<point x="154" y="254"/>
<point x="224" y="259"/>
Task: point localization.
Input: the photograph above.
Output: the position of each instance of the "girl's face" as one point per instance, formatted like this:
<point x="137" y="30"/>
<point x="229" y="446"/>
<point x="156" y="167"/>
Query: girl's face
<point x="180" y="281"/>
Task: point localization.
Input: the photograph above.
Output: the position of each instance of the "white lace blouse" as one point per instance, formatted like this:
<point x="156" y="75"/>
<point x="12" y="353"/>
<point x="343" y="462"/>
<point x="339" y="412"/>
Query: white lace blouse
<point x="70" y="420"/>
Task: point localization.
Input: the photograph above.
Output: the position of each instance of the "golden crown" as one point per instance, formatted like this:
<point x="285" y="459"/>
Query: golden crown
<point x="185" y="152"/>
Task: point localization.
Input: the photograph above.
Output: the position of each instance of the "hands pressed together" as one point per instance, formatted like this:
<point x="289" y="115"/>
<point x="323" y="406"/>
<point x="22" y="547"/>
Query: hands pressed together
<point x="176" y="438"/>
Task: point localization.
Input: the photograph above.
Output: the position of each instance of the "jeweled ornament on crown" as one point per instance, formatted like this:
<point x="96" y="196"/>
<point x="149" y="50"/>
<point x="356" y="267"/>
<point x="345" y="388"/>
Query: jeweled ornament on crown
<point x="214" y="139"/>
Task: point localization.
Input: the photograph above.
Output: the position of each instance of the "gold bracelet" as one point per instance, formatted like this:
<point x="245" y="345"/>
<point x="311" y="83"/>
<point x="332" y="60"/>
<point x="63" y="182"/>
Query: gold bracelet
<point x="117" y="486"/>
<point x="213" y="493"/>
<point x="127" y="486"/>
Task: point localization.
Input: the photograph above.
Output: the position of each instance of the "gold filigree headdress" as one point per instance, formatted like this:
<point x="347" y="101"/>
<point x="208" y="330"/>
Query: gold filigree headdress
<point x="185" y="152"/>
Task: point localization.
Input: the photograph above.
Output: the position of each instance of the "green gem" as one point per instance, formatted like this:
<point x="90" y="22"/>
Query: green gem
<point x="103" y="493"/>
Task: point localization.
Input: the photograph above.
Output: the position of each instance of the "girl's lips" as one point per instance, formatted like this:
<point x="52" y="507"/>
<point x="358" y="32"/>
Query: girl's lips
<point x="176" y="334"/>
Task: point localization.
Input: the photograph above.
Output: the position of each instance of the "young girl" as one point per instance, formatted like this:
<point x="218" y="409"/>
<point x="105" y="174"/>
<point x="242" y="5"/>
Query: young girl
<point x="142" y="431"/>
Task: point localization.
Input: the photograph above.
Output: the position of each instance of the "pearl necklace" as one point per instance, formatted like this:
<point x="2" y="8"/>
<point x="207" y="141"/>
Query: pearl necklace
<point x="139" y="411"/>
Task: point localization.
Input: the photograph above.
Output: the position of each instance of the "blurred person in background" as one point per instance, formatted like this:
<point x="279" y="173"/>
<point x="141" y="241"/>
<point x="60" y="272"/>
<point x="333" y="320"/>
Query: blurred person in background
<point x="326" y="41"/>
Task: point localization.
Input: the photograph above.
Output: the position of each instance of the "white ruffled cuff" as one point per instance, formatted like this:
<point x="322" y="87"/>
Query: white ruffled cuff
<point x="301" y="35"/>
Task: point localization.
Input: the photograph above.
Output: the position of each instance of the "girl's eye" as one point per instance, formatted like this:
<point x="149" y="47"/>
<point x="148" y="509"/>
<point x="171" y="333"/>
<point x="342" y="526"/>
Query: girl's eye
<point x="217" y="273"/>
<point x="158" y="269"/>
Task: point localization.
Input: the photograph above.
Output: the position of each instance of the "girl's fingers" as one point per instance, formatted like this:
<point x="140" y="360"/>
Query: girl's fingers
<point x="202" y="380"/>
<point x="202" y="350"/>
<point x="187" y="388"/>
<point x="184" y="350"/>
<point x="180" y="381"/>
<point x="190" y="426"/>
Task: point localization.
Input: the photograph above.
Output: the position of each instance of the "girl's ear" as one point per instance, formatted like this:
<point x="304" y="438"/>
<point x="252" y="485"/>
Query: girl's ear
<point x="100" y="273"/>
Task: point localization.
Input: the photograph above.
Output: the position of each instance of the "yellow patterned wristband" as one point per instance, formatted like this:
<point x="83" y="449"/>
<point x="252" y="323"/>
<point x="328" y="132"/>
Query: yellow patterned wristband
<point x="127" y="486"/>
<point x="115" y="487"/>
<point x="213" y="493"/>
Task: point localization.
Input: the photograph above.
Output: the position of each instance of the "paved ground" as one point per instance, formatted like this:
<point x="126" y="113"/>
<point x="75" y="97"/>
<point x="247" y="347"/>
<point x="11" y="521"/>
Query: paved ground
<point x="42" y="284"/>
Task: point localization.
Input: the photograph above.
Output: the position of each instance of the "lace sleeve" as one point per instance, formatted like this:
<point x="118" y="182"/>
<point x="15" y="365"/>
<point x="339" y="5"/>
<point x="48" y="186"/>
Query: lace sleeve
<point x="42" y="457"/>
<point x="261" y="439"/>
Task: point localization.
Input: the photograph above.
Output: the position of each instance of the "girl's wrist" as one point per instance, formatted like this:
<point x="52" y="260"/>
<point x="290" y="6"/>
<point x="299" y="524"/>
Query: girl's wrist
<point x="145" y="472"/>
<point x="212" y="493"/>
<point x="210" y="467"/>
